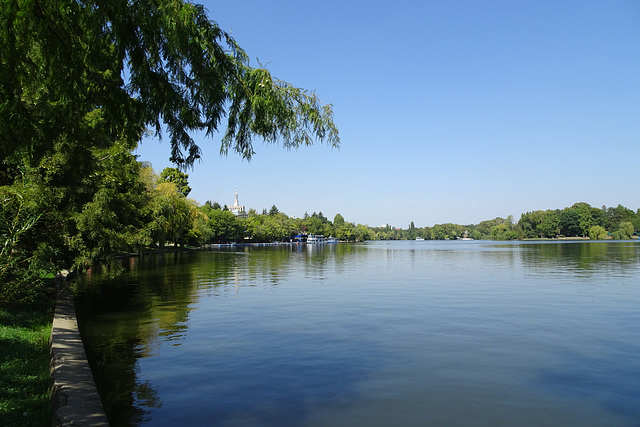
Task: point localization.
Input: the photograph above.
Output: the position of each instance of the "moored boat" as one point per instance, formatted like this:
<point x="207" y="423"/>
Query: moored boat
<point x="316" y="239"/>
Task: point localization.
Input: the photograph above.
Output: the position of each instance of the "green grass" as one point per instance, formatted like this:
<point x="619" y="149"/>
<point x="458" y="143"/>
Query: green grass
<point x="25" y="396"/>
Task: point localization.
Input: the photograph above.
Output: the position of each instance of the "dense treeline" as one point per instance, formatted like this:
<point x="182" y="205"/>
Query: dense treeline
<point x="273" y="225"/>
<point x="80" y="84"/>
<point x="60" y="217"/>
<point x="579" y="220"/>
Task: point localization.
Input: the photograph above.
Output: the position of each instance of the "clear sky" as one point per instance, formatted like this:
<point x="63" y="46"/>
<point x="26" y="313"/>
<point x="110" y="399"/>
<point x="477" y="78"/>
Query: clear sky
<point x="448" y="111"/>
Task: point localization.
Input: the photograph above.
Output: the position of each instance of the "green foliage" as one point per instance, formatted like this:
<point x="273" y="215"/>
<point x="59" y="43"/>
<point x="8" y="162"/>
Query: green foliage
<point x="549" y="227"/>
<point x="579" y="220"/>
<point x="540" y="224"/>
<point x="81" y="82"/>
<point x="316" y="224"/>
<point x="25" y="398"/>
<point x="115" y="219"/>
<point x="21" y="273"/>
<point x="503" y="232"/>
<point x="614" y="216"/>
<point x="273" y="211"/>
<point x="484" y="227"/>
<point x="624" y="232"/>
<point x="268" y="228"/>
<point x="276" y="111"/>
<point x="596" y="232"/>
<point x="569" y="222"/>
<point x="225" y="226"/>
<point x="180" y="179"/>
<point x="200" y="231"/>
<point x="63" y="61"/>
<point x="212" y="205"/>
<point x="172" y="213"/>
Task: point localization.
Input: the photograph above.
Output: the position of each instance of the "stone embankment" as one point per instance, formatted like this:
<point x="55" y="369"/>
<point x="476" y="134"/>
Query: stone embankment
<point x="75" y="396"/>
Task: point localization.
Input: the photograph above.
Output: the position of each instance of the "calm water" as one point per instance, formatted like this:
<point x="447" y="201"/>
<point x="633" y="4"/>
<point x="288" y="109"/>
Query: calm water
<point x="374" y="334"/>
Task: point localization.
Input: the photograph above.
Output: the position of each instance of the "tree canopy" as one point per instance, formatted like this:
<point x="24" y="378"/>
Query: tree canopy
<point x="81" y="82"/>
<point x="180" y="179"/>
<point x="99" y="70"/>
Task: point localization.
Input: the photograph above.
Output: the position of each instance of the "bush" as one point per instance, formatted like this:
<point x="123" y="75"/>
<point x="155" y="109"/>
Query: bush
<point x="624" y="232"/>
<point x="596" y="232"/>
<point x="22" y="272"/>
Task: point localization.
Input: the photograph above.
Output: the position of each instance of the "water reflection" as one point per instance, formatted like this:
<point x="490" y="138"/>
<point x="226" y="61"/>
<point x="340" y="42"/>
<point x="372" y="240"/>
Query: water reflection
<point x="385" y="332"/>
<point x="123" y="318"/>
<point x="581" y="259"/>
<point x="128" y="318"/>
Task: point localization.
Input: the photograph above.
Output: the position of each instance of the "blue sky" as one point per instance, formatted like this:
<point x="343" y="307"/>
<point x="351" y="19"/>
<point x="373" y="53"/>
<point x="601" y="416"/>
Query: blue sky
<point x="448" y="111"/>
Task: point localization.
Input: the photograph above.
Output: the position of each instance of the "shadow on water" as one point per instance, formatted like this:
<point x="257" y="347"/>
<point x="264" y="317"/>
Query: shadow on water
<point x="125" y="319"/>
<point x="279" y="335"/>
<point x="119" y="318"/>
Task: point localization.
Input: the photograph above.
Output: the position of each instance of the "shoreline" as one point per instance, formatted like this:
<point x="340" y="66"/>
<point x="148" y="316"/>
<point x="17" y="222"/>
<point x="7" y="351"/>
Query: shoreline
<point x="74" y="393"/>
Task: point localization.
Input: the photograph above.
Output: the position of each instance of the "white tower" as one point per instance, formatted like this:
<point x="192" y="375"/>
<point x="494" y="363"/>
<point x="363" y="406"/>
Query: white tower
<point x="237" y="209"/>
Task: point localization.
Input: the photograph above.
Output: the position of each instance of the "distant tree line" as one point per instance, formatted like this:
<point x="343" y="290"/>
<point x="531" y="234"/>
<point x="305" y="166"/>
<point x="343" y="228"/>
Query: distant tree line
<point x="81" y="83"/>
<point x="579" y="220"/>
<point x="54" y="217"/>
<point x="273" y="225"/>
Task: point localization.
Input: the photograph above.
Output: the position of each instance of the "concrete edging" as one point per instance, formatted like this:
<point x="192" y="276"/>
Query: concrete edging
<point x="75" y="396"/>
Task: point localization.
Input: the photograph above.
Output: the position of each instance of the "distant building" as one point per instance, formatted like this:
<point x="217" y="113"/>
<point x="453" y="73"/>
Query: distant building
<point x="238" y="209"/>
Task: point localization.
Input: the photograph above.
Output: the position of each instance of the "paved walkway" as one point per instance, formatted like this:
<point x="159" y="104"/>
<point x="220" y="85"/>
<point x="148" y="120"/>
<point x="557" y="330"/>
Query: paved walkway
<point x="75" y="395"/>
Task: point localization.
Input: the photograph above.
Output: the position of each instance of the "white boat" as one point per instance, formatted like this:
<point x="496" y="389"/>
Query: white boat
<point x="332" y="240"/>
<point x="316" y="239"/>
<point x="419" y="238"/>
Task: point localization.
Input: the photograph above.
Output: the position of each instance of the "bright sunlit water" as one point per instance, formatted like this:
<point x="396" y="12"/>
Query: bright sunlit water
<point x="376" y="334"/>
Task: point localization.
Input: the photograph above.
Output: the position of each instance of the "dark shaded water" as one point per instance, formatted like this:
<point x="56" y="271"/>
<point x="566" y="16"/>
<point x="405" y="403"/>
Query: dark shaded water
<point x="384" y="333"/>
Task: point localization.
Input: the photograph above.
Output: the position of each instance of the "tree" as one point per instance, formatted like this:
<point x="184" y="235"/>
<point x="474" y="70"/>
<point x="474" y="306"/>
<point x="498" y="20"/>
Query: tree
<point x="64" y="61"/>
<point x="438" y="232"/>
<point x="503" y="232"/>
<point x="81" y="82"/>
<point x="18" y="270"/>
<point x="180" y="179"/>
<point x="614" y="216"/>
<point x="529" y="223"/>
<point x="200" y="231"/>
<point x="115" y="219"/>
<point x="549" y="227"/>
<point x="362" y="233"/>
<point x="314" y="225"/>
<point x="597" y="233"/>
<point x="569" y="222"/>
<point x="586" y="217"/>
<point x="172" y="214"/>
<point x="345" y="231"/>
<point x="624" y="232"/>
<point x="225" y="226"/>
<point x="212" y="205"/>
<point x="483" y="229"/>
<point x="273" y="211"/>
<point x="412" y="231"/>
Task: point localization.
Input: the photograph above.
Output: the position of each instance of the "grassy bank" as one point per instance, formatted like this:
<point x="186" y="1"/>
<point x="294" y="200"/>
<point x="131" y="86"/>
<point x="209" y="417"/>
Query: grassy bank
<point x="25" y="364"/>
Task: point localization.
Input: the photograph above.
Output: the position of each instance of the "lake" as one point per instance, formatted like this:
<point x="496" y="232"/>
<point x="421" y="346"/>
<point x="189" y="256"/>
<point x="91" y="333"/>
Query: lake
<point x="408" y="333"/>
